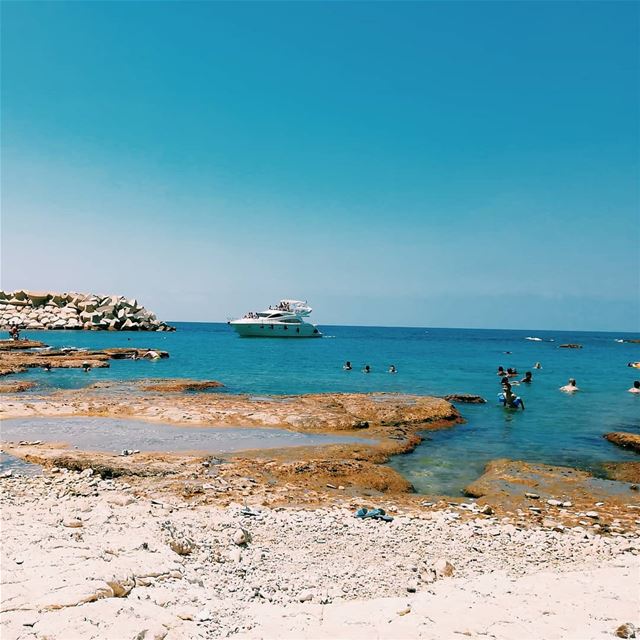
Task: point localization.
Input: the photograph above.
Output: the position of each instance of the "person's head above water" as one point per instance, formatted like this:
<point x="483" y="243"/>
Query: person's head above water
<point x="572" y="382"/>
<point x="636" y="384"/>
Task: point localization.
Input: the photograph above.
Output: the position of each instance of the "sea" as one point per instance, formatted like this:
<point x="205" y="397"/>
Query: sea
<point x="556" y="428"/>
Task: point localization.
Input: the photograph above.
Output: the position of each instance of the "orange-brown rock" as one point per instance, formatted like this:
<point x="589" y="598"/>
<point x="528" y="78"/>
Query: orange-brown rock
<point x="625" y="440"/>
<point x="178" y="385"/>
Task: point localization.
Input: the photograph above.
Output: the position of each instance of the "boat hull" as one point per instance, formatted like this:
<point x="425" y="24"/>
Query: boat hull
<point x="275" y="330"/>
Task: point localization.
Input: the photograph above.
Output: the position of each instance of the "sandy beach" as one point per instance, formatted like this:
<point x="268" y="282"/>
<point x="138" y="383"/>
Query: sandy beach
<point x="90" y="558"/>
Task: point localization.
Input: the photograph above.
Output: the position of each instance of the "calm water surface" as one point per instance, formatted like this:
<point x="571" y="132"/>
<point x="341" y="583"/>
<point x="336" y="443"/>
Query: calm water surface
<point x="555" y="428"/>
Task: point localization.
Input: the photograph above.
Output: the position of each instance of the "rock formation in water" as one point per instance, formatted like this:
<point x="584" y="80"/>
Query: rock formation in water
<point x="48" y="310"/>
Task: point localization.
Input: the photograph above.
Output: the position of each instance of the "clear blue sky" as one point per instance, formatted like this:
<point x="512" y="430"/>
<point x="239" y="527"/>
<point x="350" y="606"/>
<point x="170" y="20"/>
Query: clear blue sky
<point x="466" y="164"/>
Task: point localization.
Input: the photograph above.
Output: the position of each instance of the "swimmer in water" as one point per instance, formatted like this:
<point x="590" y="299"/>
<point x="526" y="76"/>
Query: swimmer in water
<point x="527" y="377"/>
<point x="635" y="388"/>
<point x="570" y="387"/>
<point x="500" y="372"/>
<point x="347" y="366"/>
<point x="367" y="369"/>
<point x="509" y="399"/>
<point x="47" y="366"/>
<point x="86" y="367"/>
<point x="392" y="369"/>
<point x="537" y="365"/>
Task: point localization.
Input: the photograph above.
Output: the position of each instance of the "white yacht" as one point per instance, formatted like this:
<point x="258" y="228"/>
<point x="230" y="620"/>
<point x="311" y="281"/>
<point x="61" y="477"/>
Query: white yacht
<point x="284" y="320"/>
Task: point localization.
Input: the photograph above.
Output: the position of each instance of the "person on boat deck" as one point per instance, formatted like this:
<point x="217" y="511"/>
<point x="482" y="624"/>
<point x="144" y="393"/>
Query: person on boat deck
<point x="527" y="377"/>
<point x="635" y="388"/>
<point x="537" y="365"/>
<point x="367" y="369"/>
<point x="500" y="372"/>
<point x="570" y="387"/>
<point x="509" y="399"/>
<point x="392" y="369"/>
<point x="347" y="366"/>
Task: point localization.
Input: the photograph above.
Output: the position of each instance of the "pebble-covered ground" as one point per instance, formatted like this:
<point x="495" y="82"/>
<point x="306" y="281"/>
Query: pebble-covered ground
<point x="87" y="558"/>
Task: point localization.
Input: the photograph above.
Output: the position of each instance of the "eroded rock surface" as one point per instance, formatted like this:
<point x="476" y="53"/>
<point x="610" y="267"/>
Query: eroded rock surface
<point x="625" y="440"/>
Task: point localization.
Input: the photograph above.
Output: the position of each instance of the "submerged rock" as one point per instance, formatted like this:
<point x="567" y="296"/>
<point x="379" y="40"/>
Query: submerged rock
<point x="465" y="397"/>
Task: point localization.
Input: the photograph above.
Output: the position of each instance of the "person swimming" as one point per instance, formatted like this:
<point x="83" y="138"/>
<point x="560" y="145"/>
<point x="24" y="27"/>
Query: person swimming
<point x="570" y="387"/>
<point x="509" y="399"/>
<point x="537" y="365"/>
<point x="500" y="372"/>
<point x="527" y="377"/>
<point x="367" y="369"/>
<point x="392" y="369"/>
<point x="347" y="366"/>
<point x="635" y="388"/>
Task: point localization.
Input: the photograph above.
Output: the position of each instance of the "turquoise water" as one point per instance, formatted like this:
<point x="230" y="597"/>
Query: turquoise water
<point x="555" y="428"/>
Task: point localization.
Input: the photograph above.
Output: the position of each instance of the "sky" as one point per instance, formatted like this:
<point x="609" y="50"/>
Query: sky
<point x="461" y="164"/>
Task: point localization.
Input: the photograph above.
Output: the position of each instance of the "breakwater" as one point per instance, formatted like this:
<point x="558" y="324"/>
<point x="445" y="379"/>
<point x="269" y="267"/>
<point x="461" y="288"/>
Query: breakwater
<point x="35" y="310"/>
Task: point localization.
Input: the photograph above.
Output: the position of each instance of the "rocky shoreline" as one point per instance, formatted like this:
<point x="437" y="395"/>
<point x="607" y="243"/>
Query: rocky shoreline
<point x="91" y="558"/>
<point x="38" y="310"/>
<point x="265" y="544"/>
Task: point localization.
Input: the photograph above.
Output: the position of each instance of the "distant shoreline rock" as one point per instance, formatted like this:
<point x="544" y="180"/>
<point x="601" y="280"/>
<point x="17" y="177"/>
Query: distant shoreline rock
<point x="46" y="310"/>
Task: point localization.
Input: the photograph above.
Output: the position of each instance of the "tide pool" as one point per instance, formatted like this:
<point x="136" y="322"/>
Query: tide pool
<point x="554" y="429"/>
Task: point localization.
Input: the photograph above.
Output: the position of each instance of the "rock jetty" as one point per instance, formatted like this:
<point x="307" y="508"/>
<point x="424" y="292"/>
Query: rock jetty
<point x="35" y="310"/>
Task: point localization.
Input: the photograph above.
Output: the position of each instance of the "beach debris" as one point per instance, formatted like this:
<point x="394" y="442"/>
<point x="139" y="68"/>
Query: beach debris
<point x="443" y="568"/>
<point x="129" y="452"/>
<point x="178" y="541"/>
<point x="626" y="630"/>
<point x="374" y="514"/>
<point x="241" y="537"/>
<point x="72" y="523"/>
<point x="405" y="611"/>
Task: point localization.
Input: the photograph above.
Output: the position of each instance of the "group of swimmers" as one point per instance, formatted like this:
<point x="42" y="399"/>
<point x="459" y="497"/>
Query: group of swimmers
<point x="347" y="366"/>
<point x="511" y="401"/>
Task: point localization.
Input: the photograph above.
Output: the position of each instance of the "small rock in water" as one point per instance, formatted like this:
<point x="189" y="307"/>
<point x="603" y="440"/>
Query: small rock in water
<point x="532" y="496"/>
<point x="627" y="630"/>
